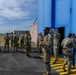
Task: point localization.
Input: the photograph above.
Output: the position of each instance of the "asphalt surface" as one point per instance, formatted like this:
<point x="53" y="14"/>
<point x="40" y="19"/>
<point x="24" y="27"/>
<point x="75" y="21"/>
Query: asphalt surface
<point x="18" y="64"/>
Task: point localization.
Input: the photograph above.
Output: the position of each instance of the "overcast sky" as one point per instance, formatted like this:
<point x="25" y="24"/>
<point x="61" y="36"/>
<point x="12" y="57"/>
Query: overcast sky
<point x="17" y="14"/>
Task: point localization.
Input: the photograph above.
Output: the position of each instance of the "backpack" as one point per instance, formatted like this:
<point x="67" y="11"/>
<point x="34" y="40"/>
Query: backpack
<point x="68" y="43"/>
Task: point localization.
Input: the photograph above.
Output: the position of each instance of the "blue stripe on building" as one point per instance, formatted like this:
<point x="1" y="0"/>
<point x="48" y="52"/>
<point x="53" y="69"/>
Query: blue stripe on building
<point x="53" y="14"/>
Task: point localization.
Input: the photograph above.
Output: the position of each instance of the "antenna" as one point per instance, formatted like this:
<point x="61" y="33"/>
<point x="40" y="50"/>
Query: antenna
<point x="35" y="20"/>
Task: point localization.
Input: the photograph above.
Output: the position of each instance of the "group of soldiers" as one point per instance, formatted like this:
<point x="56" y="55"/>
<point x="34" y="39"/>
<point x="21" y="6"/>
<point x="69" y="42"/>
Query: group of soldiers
<point x="45" y="44"/>
<point x="24" y="40"/>
<point x="51" y="40"/>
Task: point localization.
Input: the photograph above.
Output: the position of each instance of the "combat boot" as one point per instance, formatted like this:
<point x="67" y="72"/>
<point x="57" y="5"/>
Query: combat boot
<point x="64" y="68"/>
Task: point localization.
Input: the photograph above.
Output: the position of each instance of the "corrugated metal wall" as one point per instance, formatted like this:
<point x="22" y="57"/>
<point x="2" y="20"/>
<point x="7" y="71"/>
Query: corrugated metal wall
<point x="64" y="15"/>
<point x="74" y="17"/>
<point x="44" y="16"/>
<point x="62" y="18"/>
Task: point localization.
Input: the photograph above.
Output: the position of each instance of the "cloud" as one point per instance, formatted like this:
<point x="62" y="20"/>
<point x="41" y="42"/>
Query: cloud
<point x="19" y="13"/>
<point x="13" y="9"/>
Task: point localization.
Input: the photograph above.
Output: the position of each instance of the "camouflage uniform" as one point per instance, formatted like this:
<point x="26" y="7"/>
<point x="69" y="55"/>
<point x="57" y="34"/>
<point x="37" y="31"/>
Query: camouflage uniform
<point x="29" y="36"/>
<point x="16" y="39"/>
<point x="56" y="44"/>
<point x="22" y="40"/>
<point x="67" y="45"/>
<point x="39" y="39"/>
<point x="26" y="39"/>
<point x="47" y="46"/>
<point x="7" y="38"/>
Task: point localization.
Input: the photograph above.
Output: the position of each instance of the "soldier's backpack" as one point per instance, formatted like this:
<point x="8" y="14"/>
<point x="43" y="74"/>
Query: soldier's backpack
<point x="68" y="43"/>
<point x="68" y="46"/>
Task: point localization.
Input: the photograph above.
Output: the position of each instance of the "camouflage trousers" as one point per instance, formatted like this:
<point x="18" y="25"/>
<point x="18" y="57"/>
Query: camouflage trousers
<point x="15" y="47"/>
<point x="47" y="57"/>
<point x="27" y="49"/>
<point x="39" y="48"/>
<point x="56" y="51"/>
<point x="68" y="59"/>
<point x="6" y="46"/>
<point x="22" y="44"/>
<point x="11" y="43"/>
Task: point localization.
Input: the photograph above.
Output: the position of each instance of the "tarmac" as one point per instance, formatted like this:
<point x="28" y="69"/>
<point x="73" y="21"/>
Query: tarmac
<point x="18" y="64"/>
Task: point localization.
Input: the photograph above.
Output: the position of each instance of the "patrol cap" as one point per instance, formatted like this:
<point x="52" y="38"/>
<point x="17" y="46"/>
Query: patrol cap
<point x="46" y="28"/>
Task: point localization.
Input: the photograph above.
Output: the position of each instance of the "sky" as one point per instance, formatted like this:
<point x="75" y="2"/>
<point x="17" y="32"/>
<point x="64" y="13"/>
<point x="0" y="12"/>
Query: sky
<point x="17" y="14"/>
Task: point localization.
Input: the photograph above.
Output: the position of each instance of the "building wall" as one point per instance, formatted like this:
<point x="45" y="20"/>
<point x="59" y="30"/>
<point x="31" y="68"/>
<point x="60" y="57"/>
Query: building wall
<point x="40" y="16"/>
<point x="65" y="11"/>
<point x="63" y="15"/>
<point x="44" y="16"/>
<point x="74" y="17"/>
<point x="33" y="32"/>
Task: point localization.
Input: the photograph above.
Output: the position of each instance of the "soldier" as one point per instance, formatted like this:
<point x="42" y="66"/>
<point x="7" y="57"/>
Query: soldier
<point x="29" y="36"/>
<point x="22" y="40"/>
<point x="39" y="39"/>
<point x="74" y="50"/>
<point x="47" y="46"/>
<point x="11" y="38"/>
<point x="67" y="45"/>
<point x="56" y="44"/>
<point x="26" y="39"/>
<point x="7" y="38"/>
<point x="15" y="41"/>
